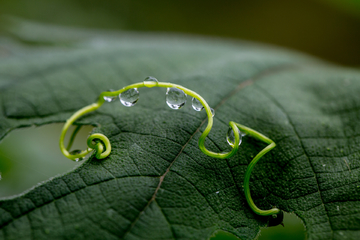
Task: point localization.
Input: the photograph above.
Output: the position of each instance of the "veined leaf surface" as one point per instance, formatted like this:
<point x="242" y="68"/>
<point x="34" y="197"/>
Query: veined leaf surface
<point x="157" y="184"/>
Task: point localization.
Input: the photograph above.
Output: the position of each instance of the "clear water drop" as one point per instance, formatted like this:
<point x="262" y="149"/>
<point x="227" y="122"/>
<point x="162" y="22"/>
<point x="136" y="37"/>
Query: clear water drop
<point x="129" y="97"/>
<point x="150" y="79"/>
<point x="150" y="82"/>
<point x="109" y="98"/>
<point x="230" y="137"/>
<point x="175" y="98"/>
<point x="77" y="151"/>
<point x="212" y="112"/>
<point x="196" y="105"/>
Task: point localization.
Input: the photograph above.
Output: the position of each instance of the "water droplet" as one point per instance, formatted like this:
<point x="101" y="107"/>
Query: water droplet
<point x="217" y="192"/>
<point x="230" y="137"/>
<point x="129" y="97"/>
<point x="150" y="79"/>
<point x="196" y="105"/>
<point x="337" y="208"/>
<point x="77" y="151"/>
<point x="175" y="98"/>
<point x="324" y="165"/>
<point x="212" y="112"/>
<point x="150" y="82"/>
<point x="109" y="98"/>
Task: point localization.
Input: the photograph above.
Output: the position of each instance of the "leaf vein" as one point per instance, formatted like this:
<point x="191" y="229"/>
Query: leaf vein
<point x="303" y="148"/>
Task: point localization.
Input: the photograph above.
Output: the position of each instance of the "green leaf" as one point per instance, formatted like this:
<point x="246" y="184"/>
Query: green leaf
<point x="157" y="184"/>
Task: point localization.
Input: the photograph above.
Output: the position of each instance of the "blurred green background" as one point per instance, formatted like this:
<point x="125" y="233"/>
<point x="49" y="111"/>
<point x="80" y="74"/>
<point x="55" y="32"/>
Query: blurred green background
<point x="328" y="29"/>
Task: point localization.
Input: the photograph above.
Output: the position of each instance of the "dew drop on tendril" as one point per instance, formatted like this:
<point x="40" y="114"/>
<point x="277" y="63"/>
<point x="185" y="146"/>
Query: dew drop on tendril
<point x="212" y="112"/>
<point x="175" y="98"/>
<point x="230" y="137"/>
<point x="77" y="151"/>
<point x="150" y="79"/>
<point x="129" y="97"/>
<point x="109" y="98"/>
<point x="196" y="105"/>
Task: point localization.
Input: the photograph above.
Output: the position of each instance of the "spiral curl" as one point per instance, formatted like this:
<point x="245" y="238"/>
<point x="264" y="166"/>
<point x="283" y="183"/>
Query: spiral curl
<point x="101" y="145"/>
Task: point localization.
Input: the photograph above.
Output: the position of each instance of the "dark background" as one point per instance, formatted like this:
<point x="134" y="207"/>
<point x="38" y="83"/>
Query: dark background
<point x="329" y="29"/>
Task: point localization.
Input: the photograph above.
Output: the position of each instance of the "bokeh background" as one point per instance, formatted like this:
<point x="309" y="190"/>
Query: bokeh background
<point x="327" y="29"/>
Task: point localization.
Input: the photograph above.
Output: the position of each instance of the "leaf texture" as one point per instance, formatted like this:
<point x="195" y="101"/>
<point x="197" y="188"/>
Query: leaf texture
<point x="157" y="184"/>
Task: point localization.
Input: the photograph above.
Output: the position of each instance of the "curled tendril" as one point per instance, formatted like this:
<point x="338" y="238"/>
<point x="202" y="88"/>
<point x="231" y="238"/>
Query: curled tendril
<point x="101" y="145"/>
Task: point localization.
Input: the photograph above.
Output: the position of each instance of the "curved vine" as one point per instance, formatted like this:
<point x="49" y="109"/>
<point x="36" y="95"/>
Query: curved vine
<point x="100" y="144"/>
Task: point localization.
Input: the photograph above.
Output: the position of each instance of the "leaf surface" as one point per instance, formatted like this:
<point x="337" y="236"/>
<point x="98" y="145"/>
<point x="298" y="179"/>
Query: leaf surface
<point x="157" y="184"/>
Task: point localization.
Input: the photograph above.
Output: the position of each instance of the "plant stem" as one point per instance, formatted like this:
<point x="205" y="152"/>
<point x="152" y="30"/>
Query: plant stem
<point x="101" y="144"/>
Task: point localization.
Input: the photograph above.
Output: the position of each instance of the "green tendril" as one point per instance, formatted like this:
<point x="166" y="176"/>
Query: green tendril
<point x="101" y="145"/>
<point x="73" y="135"/>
